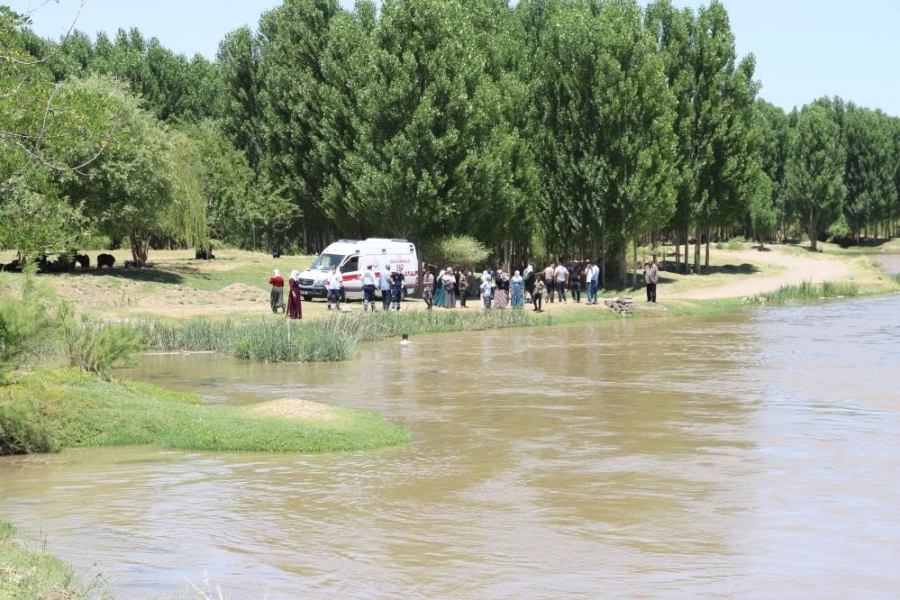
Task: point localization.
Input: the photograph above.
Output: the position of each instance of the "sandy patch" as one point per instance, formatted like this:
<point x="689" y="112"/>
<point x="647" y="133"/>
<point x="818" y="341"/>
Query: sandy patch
<point x="797" y="269"/>
<point x="295" y="408"/>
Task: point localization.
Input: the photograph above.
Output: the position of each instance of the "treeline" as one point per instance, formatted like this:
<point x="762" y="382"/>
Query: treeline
<point x="551" y="128"/>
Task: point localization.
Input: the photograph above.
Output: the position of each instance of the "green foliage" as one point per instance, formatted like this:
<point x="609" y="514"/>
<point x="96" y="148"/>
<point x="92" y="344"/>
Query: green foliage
<point x="95" y="346"/>
<point x="814" y="169"/>
<point x="131" y="189"/>
<point x="459" y="250"/>
<point x="870" y="167"/>
<point x="25" y="326"/>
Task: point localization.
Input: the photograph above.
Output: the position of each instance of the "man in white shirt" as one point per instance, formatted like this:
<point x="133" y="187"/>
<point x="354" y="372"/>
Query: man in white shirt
<point x="593" y="278"/>
<point x="368" y="286"/>
<point x="384" y="284"/>
<point x="334" y="284"/>
<point x="561" y="275"/>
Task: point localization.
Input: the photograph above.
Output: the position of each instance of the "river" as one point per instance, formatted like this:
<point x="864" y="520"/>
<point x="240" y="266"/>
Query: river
<point x="746" y="455"/>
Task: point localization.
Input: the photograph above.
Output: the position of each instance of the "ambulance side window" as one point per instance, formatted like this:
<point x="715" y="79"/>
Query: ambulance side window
<point x="351" y="265"/>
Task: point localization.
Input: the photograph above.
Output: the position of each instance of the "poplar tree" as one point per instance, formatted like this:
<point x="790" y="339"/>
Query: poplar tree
<point x="871" y="163"/>
<point x="814" y="173"/>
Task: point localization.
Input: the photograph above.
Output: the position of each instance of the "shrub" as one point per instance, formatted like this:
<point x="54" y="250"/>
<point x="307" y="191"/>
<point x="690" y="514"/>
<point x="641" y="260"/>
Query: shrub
<point x="25" y="326"/>
<point x="94" y="346"/>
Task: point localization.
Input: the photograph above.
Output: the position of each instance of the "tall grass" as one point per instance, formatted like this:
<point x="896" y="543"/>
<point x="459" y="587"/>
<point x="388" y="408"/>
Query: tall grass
<point x="335" y="338"/>
<point x="30" y="573"/>
<point x="807" y="291"/>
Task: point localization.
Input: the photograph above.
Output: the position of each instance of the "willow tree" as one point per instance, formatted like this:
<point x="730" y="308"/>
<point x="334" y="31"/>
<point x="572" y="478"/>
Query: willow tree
<point x="814" y="172"/>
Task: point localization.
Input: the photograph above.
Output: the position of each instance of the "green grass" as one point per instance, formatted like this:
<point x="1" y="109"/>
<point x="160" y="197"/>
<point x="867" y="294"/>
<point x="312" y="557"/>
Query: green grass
<point x="75" y="410"/>
<point x="807" y="292"/>
<point x="30" y="573"/>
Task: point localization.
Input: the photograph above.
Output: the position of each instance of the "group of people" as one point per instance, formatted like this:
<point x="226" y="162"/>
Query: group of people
<point x="293" y="308"/>
<point x="390" y="282"/>
<point x="495" y="289"/>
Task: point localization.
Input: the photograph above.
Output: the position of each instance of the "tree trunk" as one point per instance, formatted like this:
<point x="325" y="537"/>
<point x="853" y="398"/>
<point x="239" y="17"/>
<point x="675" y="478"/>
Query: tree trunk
<point x="140" y="248"/>
<point x="699" y="235"/>
<point x="677" y="251"/>
<point x="634" y="275"/>
<point x="813" y="237"/>
<point x="707" y="251"/>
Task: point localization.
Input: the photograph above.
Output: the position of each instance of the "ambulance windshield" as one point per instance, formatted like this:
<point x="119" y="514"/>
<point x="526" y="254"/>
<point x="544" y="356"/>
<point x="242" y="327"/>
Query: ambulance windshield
<point x="324" y="262"/>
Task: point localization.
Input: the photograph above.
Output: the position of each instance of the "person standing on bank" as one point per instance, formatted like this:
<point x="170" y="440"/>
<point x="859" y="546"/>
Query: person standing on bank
<point x="651" y="278"/>
<point x="334" y="283"/>
<point x="538" y="294"/>
<point x="276" y="296"/>
<point x="463" y="287"/>
<point x="428" y="288"/>
<point x="368" y="285"/>
<point x="384" y="284"/>
<point x="561" y="276"/>
<point x="397" y="287"/>
<point x="294" y="309"/>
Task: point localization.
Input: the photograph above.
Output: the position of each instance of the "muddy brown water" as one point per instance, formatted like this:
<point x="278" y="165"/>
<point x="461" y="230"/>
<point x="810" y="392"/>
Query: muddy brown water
<point x="750" y="455"/>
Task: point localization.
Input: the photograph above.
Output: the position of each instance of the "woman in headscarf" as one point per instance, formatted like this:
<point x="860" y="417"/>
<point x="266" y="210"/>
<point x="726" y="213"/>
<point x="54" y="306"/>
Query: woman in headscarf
<point x="486" y="290"/>
<point x="276" y="296"/>
<point x="517" y="284"/>
<point x="294" y="310"/>
<point x="449" y="289"/>
<point x="439" y="290"/>
<point x="501" y="295"/>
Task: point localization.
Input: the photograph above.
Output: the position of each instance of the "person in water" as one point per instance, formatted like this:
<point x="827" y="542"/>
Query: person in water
<point x="404" y="339"/>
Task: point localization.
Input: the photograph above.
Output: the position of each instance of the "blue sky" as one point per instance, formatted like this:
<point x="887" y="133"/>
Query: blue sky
<point x="804" y="49"/>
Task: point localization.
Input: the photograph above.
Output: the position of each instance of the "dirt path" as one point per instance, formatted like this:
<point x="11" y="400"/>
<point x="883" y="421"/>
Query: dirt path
<point x="814" y="268"/>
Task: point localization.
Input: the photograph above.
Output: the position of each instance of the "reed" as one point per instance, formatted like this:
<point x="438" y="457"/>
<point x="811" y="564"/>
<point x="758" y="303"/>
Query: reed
<point x="807" y="291"/>
<point x="335" y="338"/>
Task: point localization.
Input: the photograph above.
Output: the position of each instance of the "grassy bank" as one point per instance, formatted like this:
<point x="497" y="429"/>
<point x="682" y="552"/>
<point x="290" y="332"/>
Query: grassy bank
<point x="29" y="573"/>
<point x="54" y="410"/>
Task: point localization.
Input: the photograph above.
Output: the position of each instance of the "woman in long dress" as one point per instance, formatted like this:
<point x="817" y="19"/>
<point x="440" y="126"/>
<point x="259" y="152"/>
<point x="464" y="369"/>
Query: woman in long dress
<point x="518" y="290"/>
<point x="449" y="289"/>
<point x="439" y="290"/>
<point x="294" y="309"/>
<point x="501" y="294"/>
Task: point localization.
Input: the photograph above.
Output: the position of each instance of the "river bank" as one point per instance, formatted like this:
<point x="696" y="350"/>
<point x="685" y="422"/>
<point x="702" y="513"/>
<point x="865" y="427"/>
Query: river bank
<point x="235" y="283"/>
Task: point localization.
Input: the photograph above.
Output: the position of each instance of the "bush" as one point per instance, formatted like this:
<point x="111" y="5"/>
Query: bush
<point x="24" y="430"/>
<point x="456" y="250"/>
<point x="97" y="347"/>
<point x="25" y="326"/>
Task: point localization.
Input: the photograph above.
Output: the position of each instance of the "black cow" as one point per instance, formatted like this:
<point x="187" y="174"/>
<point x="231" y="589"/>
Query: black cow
<point x="84" y="260"/>
<point x="105" y="260"/>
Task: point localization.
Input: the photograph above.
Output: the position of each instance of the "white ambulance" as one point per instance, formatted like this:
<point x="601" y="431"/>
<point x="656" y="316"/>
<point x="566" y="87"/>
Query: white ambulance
<point x="353" y="257"/>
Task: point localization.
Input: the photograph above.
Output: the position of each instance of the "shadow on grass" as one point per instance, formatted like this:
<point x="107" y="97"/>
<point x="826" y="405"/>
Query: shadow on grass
<point x="148" y="274"/>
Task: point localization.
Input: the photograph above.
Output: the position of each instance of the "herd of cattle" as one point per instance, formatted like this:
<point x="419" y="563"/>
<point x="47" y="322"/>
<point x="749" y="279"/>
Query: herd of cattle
<point x="63" y="263"/>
